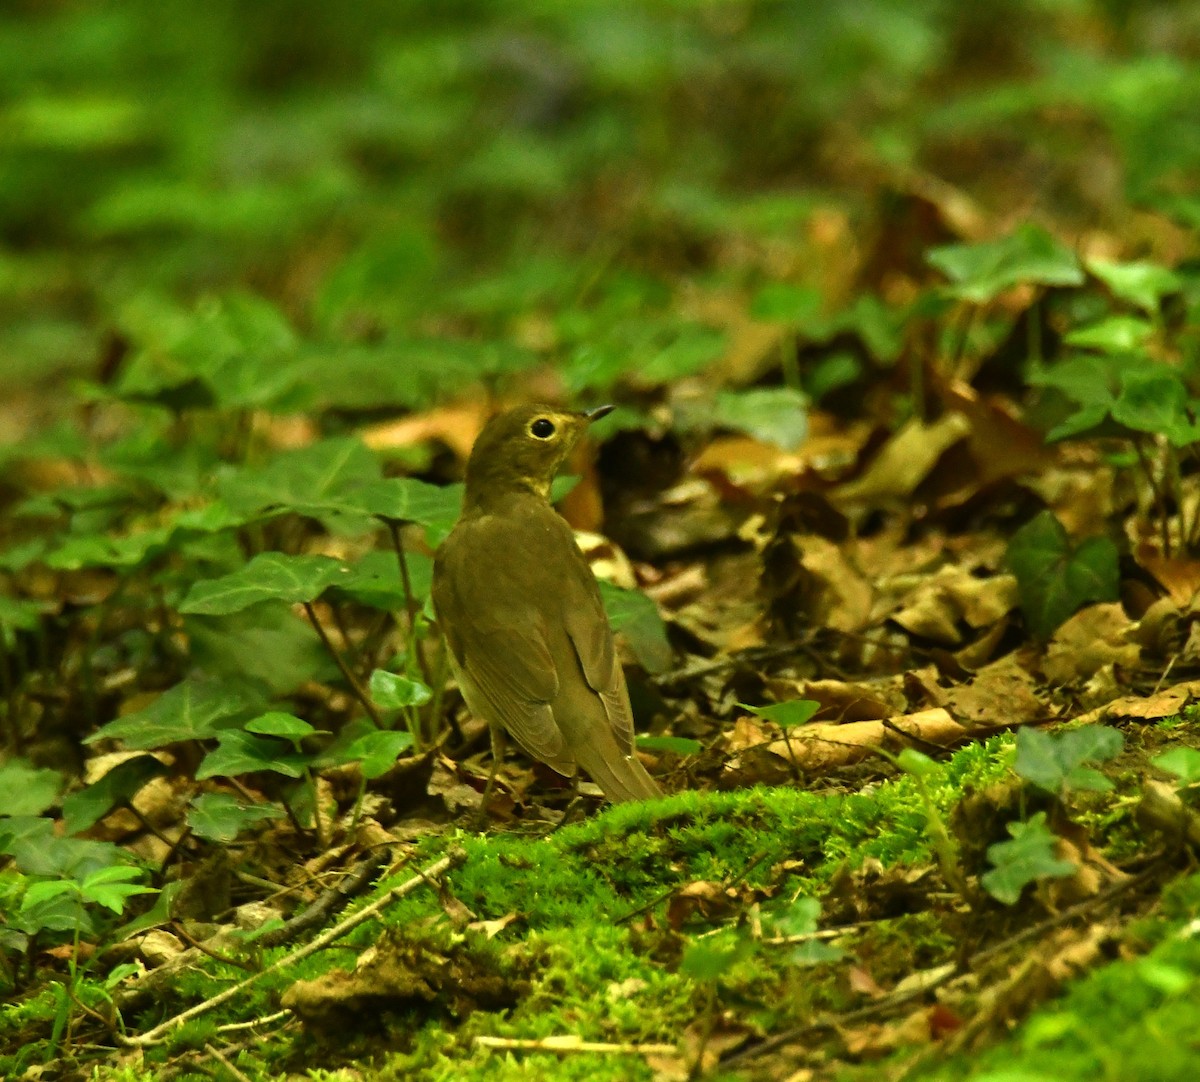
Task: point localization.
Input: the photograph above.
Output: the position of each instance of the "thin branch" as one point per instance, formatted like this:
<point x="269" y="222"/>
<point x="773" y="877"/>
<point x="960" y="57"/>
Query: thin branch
<point x="356" y="688"/>
<point x="568" y="1042"/>
<point x="453" y="859"/>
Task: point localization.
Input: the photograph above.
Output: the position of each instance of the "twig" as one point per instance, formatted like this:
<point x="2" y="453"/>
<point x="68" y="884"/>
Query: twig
<point x="410" y="602"/>
<point x="315" y="913"/>
<point x="570" y="1043"/>
<point x="238" y="1027"/>
<point x="453" y="859"/>
<point x="221" y="1059"/>
<point x="355" y="687"/>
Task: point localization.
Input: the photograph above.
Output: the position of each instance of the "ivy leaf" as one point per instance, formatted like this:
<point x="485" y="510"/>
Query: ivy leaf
<point x="1152" y="399"/>
<point x="394" y="692"/>
<point x="706" y="960"/>
<point x="1183" y="762"/>
<point x="281" y="724"/>
<point x="87" y="807"/>
<point x="1024" y="860"/>
<point x="243" y="753"/>
<point x="786" y="714"/>
<point x="634" y="615"/>
<point x="377" y="750"/>
<point x="981" y="272"/>
<point x="270" y="576"/>
<point x="1142" y="284"/>
<point x="374" y="579"/>
<point x="16" y="615"/>
<point x="777" y="415"/>
<point x="26" y="789"/>
<point x="221" y="817"/>
<point x="406" y="499"/>
<point x="1114" y="334"/>
<point x="1053" y="578"/>
<point x="317" y="481"/>
<point x="1057" y="762"/>
<point x="197" y="709"/>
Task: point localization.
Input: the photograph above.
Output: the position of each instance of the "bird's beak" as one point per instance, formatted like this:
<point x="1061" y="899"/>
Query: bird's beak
<point x="598" y="412"/>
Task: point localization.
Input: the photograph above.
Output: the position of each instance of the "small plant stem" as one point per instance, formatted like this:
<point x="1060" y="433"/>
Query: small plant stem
<point x="1160" y="501"/>
<point x="427" y="875"/>
<point x="438" y="687"/>
<point x="356" y="688"/>
<point x="789" y="360"/>
<point x="1033" y="332"/>
<point x="410" y="602"/>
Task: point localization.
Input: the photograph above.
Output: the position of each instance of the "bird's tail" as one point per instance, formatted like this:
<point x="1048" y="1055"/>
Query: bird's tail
<point x="621" y="777"/>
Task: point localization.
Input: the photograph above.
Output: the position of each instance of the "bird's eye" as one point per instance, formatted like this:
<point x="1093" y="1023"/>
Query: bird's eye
<point x="542" y="428"/>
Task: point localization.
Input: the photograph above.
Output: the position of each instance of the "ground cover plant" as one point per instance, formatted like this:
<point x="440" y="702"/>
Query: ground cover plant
<point x="897" y="521"/>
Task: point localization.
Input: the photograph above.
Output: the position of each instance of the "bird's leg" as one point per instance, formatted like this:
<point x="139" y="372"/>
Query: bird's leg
<point x="573" y="807"/>
<point x="499" y="742"/>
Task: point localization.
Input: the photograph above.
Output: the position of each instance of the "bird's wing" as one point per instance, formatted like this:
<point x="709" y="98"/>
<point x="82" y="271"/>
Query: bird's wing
<point x="588" y="630"/>
<point x="501" y="650"/>
<point x="511" y="682"/>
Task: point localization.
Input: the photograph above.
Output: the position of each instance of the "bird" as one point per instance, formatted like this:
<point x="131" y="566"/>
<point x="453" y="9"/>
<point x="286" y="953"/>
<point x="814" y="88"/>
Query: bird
<point x="529" y="642"/>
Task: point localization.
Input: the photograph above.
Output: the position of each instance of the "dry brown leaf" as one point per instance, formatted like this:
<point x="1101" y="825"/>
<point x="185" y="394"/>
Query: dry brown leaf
<point x="1178" y="575"/>
<point x="1161" y="704"/>
<point x="456" y="426"/>
<point x="841" y="700"/>
<point x="492" y="928"/>
<point x="701" y="896"/>
<point x="1000" y="694"/>
<point x="1091" y="639"/>
<point x="843" y="595"/>
<point x="905" y="460"/>
<point x="823" y="746"/>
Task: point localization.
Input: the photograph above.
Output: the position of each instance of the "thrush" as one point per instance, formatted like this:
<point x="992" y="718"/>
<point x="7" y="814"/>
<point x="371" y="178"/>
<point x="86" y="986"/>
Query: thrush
<point x="529" y="641"/>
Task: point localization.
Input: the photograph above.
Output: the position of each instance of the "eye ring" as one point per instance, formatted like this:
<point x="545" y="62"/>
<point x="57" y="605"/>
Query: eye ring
<point x="542" y="429"/>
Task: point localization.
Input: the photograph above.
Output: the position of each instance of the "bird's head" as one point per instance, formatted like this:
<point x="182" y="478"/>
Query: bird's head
<point x="523" y="448"/>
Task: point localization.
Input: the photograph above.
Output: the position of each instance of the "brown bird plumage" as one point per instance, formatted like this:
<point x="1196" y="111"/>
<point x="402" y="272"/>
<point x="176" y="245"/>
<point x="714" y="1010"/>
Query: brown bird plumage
<point x="521" y="612"/>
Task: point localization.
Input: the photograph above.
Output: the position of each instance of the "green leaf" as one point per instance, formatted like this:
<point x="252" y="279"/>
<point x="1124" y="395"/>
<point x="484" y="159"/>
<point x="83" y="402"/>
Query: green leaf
<point x="917" y="763"/>
<point x="394" y="692"/>
<point x="1053" y="578"/>
<point x="406" y="499"/>
<point x="981" y="272"/>
<point x="1152" y="399"/>
<point x="1141" y="284"/>
<point x="279" y="723"/>
<point x="634" y="615"/>
<point x="318" y="481"/>
<point x="706" y="960"/>
<point x="86" y="807"/>
<point x="26" y="789"/>
<point x="377" y="750"/>
<point x="286" y="650"/>
<point x="1114" y="334"/>
<point x="676" y="745"/>
<point x="1024" y="860"/>
<point x="221" y="817"/>
<point x="243" y="753"/>
<point x="1183" y="762"/>
<point x="197" y="709"/>
<point x="777" y="415"/>
<point x="786" y="714"/>
<point x="110" y="887"/>
<point x="18" y="614"/>
<point x="270" y="576"/>
<point x="374" y="579"/>
<point x="1058" y="762"/>
<point x="786" y="303"/>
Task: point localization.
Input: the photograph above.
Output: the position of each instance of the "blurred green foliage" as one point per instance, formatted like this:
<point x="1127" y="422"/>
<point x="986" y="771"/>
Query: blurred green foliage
<point x="413" y="187"/>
